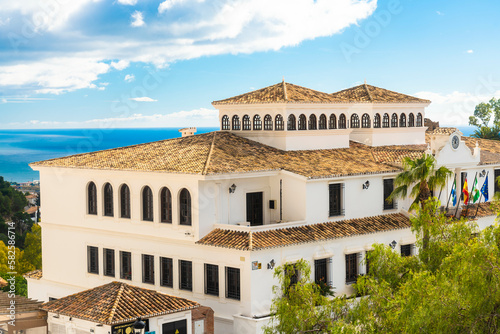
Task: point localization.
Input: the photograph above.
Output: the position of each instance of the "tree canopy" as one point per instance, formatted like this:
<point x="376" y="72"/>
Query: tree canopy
<point x="482" y="120"/>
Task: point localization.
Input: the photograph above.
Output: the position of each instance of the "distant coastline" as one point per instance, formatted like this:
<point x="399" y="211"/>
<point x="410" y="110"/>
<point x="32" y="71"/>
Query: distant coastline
<point x="18" y="148"/>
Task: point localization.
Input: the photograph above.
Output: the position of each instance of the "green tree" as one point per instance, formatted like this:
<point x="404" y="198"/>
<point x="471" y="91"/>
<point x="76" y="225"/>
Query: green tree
<point x="482" y="117"/>
<point x="32" y="255"/>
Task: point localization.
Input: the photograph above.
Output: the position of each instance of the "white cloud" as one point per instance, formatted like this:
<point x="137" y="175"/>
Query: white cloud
<point x="120" y="65"/>
<point x="470" y="51"/>
<point x="4" y="22"/>
<point x="129" y="78"/>
<point x="138" y="19"/>
<point x="439" y="13"/>
<point x="198" y="117"/>
<point x="185" y="29"/>
<point x="128" y="2"/>
<point x="143" y="99"/>
<point x="454" y="108"/>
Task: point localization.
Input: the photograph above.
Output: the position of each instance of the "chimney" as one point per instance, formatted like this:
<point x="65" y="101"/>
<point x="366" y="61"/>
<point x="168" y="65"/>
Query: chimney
<point x="186" y="132"/>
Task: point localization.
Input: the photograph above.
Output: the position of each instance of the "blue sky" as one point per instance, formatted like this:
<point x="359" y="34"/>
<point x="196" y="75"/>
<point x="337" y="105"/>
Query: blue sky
<point x="141" y="63"/>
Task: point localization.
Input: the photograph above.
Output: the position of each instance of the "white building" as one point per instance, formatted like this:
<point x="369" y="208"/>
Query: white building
<point x="294" y="173"/>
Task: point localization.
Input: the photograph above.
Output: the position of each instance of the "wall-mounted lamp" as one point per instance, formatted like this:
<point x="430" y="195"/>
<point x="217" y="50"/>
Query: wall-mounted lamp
<point x="56" y="316"/>
<point x="366" y="185"/>
<point x="271" y="264"/>
<point x="483" y="173"/>
<point x="393" y="244"/>
<point x="232" y="189"/>
<point x="139" y="326"/>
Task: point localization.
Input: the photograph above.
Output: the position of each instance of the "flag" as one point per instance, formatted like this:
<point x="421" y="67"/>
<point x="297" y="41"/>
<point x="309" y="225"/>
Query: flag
<point x="475" y="192"/>
<point x="484" y="189"/>
<point x="454" y="193"/>
<point x="465" y="191"/>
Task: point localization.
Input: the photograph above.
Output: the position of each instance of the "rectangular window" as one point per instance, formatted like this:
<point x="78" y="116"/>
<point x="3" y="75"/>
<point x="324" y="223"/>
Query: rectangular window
<point x="351" y="268"/>
<point x="126" y="265"/>
<point x="233" y="283"/>
<point x="93" y="260"/>
<point x="335" y="199"/>
<point x="497" y="174"/>
<point x="185" y="275"/>
<point x="148" y="269"/>
<point x="211" y="279"/>
<point x="166" y="272"/>
<point x="321" y="271"/>
<point x="406" y="250"/>
<point x="109" y="262"/>
<point x="388" y="188"/>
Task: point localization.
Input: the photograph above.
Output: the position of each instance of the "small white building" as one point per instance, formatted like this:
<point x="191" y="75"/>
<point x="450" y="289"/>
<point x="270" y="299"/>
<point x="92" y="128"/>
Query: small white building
<point x="294" y="173"/>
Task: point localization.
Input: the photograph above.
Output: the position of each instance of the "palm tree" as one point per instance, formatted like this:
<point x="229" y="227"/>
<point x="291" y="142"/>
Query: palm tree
<point x="423" y="177"/>
<point x="487" y="133"/>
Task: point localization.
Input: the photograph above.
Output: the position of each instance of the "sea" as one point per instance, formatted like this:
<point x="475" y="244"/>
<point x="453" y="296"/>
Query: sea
<point x="18" y="148"/>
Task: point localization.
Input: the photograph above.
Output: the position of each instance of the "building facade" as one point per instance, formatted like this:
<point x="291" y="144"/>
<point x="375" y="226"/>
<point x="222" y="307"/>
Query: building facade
<point x="292" y="174"/>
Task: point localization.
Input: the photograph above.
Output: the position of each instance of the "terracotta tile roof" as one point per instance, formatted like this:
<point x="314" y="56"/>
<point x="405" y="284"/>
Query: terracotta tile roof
<point x="304" y="234"/>
<point x="117" y="302"/>
<point x="371" y="94"/>
<point x="224" y="152"/>
<point x="35" y="274"/>
<point x="443" y="131"/>
<point x="23" y="304"/>
<point x="31" y="210"/>
<point x="490" y="149"/>
<point x="485" y="209"/>
<point x="282" y="92"/>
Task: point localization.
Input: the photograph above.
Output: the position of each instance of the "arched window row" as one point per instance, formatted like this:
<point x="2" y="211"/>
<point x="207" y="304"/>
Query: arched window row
<point x="311" y="122"/>
<point x="147" y="203"/>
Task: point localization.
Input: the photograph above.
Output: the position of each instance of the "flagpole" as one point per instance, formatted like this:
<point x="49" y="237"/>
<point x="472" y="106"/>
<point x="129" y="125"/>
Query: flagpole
<point x="449" y="197"/>
<point x="481" y="196"/>
<point x="468" y="198"/>
<point x="458" y="198"/>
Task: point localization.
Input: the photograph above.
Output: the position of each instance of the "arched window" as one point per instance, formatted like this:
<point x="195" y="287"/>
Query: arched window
<point x="236" y="122"/>
<point x="313" y="125"/>
<point x="411" y="120"/>
<point x="92" y="198"/>
<point x="225" y="123"/>
<point x="247" y="125"/>
<point x="302" y="122"/>
<point x="292" y="123"/>
<point x="268" y="122"/>
<point x="165" y="206"/>
<point x="147" y="204"/>
<point x="365" y="121"/>
<point x="376" y="121"/>
<point x="402" y="121"/>
<point x="333" y="122"/>
<point x="385" y="121"/>
<point x="108" y="200"/>
<point x="342" y="122"/>
<point x="354" y="121"/>
<point x="419" y="119"/>
<point x="185" y="207"/>
<point x="322" y="122"/>
<point x="279" y="123"/>
<point x="394" y="121"/>
<point x="257" y="122"/>
<point x="124" y="201"/>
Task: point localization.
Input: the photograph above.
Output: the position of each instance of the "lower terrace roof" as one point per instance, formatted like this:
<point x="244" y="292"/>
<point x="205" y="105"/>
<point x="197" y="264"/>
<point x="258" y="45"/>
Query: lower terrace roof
<point x="281" y="237"/>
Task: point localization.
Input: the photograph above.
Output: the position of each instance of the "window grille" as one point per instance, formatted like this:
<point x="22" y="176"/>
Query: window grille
<point x="211" y="279"/>
<point x="225" y="123"/>
<point x="321" y="271"/>
<point x="322" y="122"/>
<point x="166" y="206"/>
<point x="109" y="262"/>
<point x="257" y="122"/>
<point x="124" y="201"/>
<point x="279" y="123"/>
<point x="419" y="119"/>
<point x="385" y="121"/>
<point x="93" y="260"/>
<point x="147" y="204"/>
<point x="406" y="250"/>
<point x="342" y="122"/>
<point x="365" y="121"/>
<point x="335" y="199"/>
<point x="411" y="120"/>
<point x="313" y="125"/>
<point x="333" y="122"/>
<point x="354" y="121"/>
<point x="247" y="125"/>
<point x="148" y="269"/>
<point x="185" y="275"/>
<point x="185" y="207"/>
<point x="236" y="122"/>
<point x="126" y="265"/>
<point x="402" y="121"/>
<point x="268" y="123"/>
<point x="292" y="123"/>
<point x="351" y="268"/>
<point x="166" y="272"/>
<point x="108" y="200"/>
<point x="302" y="122"/>
<point x="232" y="283"/>
<point x="92" y="198"/>
<point x="376" y="121"/>
<point x="394" y="121"/>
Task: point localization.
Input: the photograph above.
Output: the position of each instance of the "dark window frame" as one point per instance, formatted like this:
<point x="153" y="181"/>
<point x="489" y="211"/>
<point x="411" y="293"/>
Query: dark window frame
<point x="291" y="123"/>
<point x="185" y="209"/>
<point x="211" y="279"/>
<point x="147" y="204"/>
<point x="108" y="257"/>
<point x="388" y="189"/>
<point x="342" y="121"/>
<point x="365" y="121"/>
<point x="332" y="121"/>
<point x="126" y="265"/>
<point x="302" y="124"/>
<point x="92" y="199"/>
<point x="165" y="206"/>
<point x="108" y="200"/>
<point x="148" y="269"/>
<point x="354" y="121"/>
<point x="351" y="268"/>
<point x="166" y="272"/>
<point x="406" y="250"/>
<point x="321" y="271"/>
<point x="419" y="120"/>
<point x="225" y="123"/>
<point x="322" y="123"/>
<point x="402" y="121"/>
<point x="235" y="122"/>
<point x="268" y="123"/>
<point x="376" y="121"/>
<point x="257" y="122"/>
<point x="233" y="283"/>
<point x="185" y="275"/>
<point x="247" y="123"/>
<point x="394" y="120"/>
<point x="335" y="199"/>
<point x="124" y="201"/>
<point x="411" y="120"/>
<point x="313" y="122"/>
<point x="93" y="260"/>
<point x="496" y="186"/>
<point x="386" y="121"/>
<point x="279" y="123"/>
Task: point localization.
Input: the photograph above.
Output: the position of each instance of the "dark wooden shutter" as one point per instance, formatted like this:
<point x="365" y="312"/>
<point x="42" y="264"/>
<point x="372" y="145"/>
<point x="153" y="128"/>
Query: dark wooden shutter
<point x="335" y="199"/>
